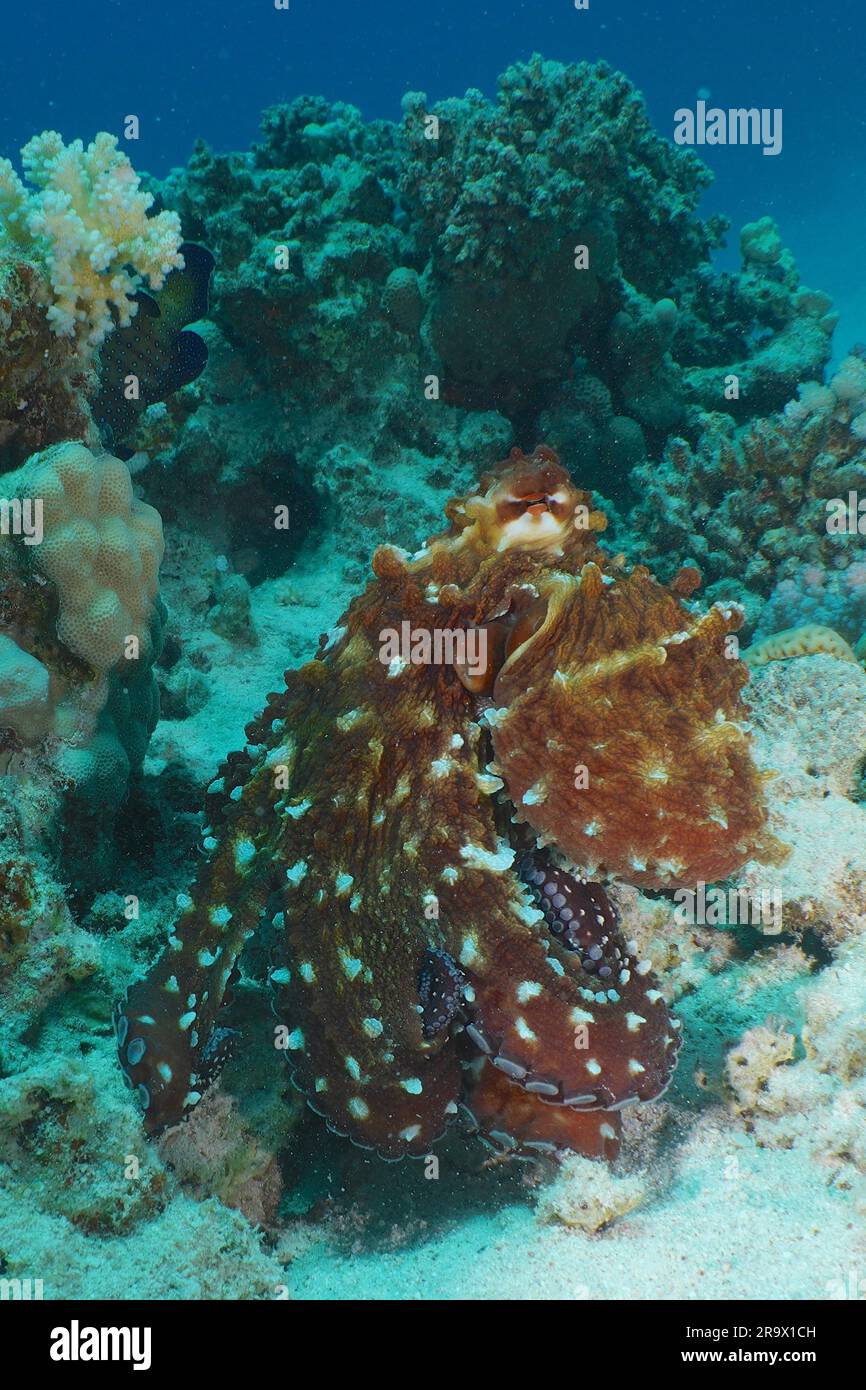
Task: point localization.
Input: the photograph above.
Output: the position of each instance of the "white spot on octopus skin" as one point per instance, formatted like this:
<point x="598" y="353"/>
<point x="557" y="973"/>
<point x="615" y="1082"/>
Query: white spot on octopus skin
<point x="487" y="785"/>
<point x="497" y="862"/>
<point x="634" y="1067"/>
<point x="469" y="953"/>
<point x="593" y="1067"/>
<point x="410" y="1132"/>
<point x="351" y="965"/>
<point x="526" y="990"/>
<point x="440" y="767"/>
<point x="245" y="853"/>
<point x="495" y="717"/>
<point x="413" y="1085"/>
<point x="634" y="1022"/>
<point x="297" y="872"/>
<point x="529" y="914"/>
<point x="523" y="1030"/>
<point x="358" y="1108"/>
<point x="342" y="883"/>
<point x="345" y="722"/>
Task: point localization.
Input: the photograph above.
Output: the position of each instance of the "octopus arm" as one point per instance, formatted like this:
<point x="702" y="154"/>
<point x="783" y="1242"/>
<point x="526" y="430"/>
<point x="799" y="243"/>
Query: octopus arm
<point x="166" y="1024"/>
<point x="562" y="1009"/>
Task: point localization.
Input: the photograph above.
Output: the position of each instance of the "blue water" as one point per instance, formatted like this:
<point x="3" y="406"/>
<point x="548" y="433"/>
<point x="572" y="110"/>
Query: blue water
<point x="206" y="70"/>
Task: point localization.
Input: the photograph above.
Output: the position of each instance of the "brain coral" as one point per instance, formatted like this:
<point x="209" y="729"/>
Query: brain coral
<point x="101" y="549"/>
<point x="87" y="224"/>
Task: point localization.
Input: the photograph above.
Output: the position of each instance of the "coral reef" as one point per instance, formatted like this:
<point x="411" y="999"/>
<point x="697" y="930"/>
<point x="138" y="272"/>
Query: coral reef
<point x="817" y="596"/>
<point x="394" y="306"/>
<point x="561" y="239"/>
<point x="43" y="379"/>
<point x="472" y="863"/>
<point x="751" y="505"/>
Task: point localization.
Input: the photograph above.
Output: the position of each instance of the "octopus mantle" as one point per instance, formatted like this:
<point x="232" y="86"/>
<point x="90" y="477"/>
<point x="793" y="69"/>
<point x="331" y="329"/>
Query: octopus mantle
<point x="434" y="832"/>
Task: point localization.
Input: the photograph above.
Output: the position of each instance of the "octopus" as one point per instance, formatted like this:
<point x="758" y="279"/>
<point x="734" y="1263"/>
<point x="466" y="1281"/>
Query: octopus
<point x="502" y="724"/>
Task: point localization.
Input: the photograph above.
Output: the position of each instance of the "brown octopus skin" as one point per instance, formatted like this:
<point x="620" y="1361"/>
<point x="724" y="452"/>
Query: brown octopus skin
<point x="364" y="799"/>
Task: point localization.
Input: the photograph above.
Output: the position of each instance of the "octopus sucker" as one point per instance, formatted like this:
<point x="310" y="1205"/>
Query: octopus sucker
<point x="449" y="947"/>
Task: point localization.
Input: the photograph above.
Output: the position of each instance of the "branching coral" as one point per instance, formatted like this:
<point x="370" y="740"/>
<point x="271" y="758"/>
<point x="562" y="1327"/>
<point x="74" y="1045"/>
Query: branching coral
<point x="86" y="222"/>
<point x="750" y="504"/>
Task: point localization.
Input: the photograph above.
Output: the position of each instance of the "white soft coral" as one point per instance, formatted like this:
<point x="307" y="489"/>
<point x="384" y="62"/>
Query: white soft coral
<point x="87" y="223"/>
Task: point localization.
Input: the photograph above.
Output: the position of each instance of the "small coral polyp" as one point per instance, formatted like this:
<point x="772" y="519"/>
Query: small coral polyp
<point x="436" y="953"/>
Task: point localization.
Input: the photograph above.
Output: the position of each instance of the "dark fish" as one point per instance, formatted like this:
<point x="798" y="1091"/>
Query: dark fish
<point x="157" y="348"/>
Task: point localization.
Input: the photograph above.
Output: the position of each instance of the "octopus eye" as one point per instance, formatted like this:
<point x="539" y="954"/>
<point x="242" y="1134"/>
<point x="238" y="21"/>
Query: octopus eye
<point x="534" y="504"/>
